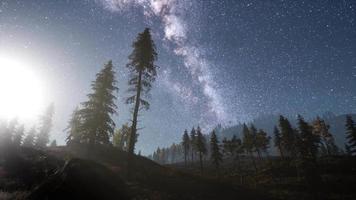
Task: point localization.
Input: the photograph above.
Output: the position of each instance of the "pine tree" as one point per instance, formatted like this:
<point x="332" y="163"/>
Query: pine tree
<point x="97" y="125"/>
<point x="18" y="135"/>
<point x="262" y="142"/>
<point x="201" y="148"/>
<point x="143" y="73"/>
<point x="53" y="143"/>
<point x="216" y="156"/>
<point x="45" y="127"/>
<point x="309" y="142"/>
<point x="249" y="143"/>
<point x="121" y="137"/>
<point x="73" y="128"/>
<point x="278" y="141"/>
<point x="193" y="143"/>
<point x="288" y="137"/>
<point x="351" y="134"/>
<point x="327" y="142"/>
<point x="29" y="140"/>
<point x="185" y="143"/>
<point x="308" y="148"/>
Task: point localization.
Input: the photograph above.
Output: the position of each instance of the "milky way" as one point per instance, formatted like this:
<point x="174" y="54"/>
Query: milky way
<point x="221" y="61"/>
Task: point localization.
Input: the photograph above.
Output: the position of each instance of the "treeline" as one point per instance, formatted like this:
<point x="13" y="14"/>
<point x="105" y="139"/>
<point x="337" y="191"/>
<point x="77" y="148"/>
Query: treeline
<point x="13" y="133"/>
<point x="304" y="143"/>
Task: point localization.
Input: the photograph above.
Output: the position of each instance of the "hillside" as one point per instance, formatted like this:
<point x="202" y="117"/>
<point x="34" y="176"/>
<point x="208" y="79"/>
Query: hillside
<point x="51" y="174"/>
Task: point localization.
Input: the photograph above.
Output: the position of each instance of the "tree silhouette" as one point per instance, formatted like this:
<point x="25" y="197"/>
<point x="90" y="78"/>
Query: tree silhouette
<point x="327" y="142"/>
<point x="216" y="156"/>
<point x="249" y="142"/>
<point x="97" y="125"/>
<point x="278" y="141"/>
<point x="18" y="135"/>
<point x="73" y="128"/>
<point x="201" y="147"/>
<point x="288" y="137"/>
<point x="351" y="134"/>
<point x="29" y="140"/>
<point x="143" y="73"/>
<point x="121" y="137"/>
<point x="46" y="122"/>
<point x="193" y="143"/>
<point x="185" y="143"/>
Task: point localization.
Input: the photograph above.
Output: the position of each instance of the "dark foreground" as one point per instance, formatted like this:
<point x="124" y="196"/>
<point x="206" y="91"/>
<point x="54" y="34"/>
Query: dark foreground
<point x="76" y="173"/>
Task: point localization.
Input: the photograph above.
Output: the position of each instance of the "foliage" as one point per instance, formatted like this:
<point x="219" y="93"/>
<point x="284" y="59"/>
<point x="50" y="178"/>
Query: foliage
<point x="45" y="126"/>
<point x="143" y="73"/>
<point x="96" y="125"/>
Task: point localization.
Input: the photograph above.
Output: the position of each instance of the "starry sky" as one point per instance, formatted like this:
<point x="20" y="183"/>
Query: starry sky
<point x="220" y="61"/>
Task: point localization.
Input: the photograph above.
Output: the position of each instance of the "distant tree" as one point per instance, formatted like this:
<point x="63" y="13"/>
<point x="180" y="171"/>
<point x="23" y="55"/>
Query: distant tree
<point x="29" y="140"/>
<point x="18" y="135"/>
<point x="278" y="141"/>
<point x="249" y="143"/>
<point x="216" y="156"/>
<point x="309" y="142"/>
<point x="143" y="73"/>
<point x="73" y="128"/>
<point x="53" y="143"/>
<point x="288" y="137"/>
<point x="121" y="137"/>
<point x="96" y="125"/>
<point x="46" y="122"/>
<point x="186" y="144"/>
<point x="327" y="142"/>
<point x="10" y="130"/>
<point x="201" y="147"/>
<point x="193" y="143"/>
<point x="308" y="148"/>
<point x="351" y="134"/>
<point x="262" y="142"/>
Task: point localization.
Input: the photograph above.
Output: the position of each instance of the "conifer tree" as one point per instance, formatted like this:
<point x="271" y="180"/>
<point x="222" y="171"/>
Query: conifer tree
<point x="309" y="142"/>
<point x="185" y="143"/>
<point x="73" y="128"/>
<point x="249" y="143"/>
<point x="308" y="148"/>
<point x="53" y="143"/>
<point x="143" y="73"/>
<point x="262" y="142"/>
<point x="96" y="125"/>
<point x="46" y="122"/>
<point x="193" y="143"/>
<point x="327" y="142"/>
<point x="29" y="140"/>
<point x="351" y="134"/>
<point x="18" y="135"/>
<point x="278" y="141"/>
<point x="201" y="148"/>
<point x="121" y="137"/>
<point x="288" y="137"/>
<point x="216" y="156"/>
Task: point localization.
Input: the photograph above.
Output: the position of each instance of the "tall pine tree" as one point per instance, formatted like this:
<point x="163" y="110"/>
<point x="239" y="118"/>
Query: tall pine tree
<point x="143" y="73"/>
<point x="185" y="143"/>
<point x="216" y="156"/>
<point x="201" y="147"/>
<point x="97" y="125"/>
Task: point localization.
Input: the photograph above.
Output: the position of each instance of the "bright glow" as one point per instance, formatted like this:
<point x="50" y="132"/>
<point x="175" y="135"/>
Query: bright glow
<point x="21" y="92"/>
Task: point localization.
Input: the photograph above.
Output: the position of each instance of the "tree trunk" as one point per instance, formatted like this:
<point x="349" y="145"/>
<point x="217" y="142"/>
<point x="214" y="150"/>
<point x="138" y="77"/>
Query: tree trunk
<point x="132" y="140"/>
<point x="201" y="162"/>
<point x="135" y="115"/>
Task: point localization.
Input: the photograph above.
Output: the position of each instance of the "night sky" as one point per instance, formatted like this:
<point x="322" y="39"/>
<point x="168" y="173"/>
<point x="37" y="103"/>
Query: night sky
<point x="220" y="61"/>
